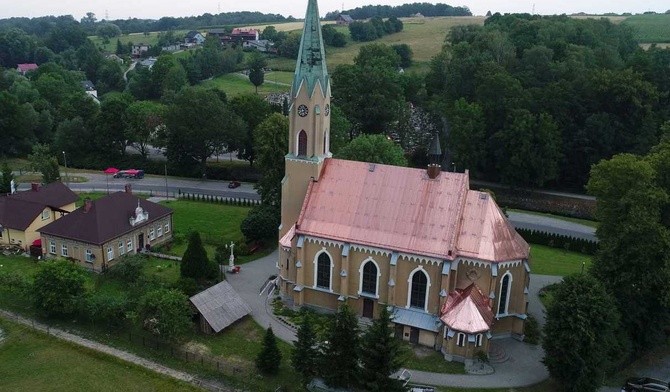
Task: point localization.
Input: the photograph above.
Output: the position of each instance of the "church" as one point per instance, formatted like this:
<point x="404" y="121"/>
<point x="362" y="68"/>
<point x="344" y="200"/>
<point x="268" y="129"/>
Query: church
<point x="441" y="257"/>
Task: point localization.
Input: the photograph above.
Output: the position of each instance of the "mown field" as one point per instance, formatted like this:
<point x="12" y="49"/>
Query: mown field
<point x="654" y="28"/>
<point x="234" y="84"/>
<point x="32" y="361"/>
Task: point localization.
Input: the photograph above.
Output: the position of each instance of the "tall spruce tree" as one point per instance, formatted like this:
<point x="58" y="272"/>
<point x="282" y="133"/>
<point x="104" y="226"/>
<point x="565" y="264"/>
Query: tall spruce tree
<point x="269" y="358"/>
<point x="6" y="178"/>
<point x="380" y="356"/>
<point x="195" y="263"/>
<point x="341" y="368"/>
<point x="304" y="357"/>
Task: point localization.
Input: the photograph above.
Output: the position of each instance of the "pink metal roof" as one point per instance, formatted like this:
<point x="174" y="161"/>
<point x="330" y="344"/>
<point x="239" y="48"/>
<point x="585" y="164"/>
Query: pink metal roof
<point x="467" y="310"/>
<point x="285" y="241"/>
<point x="401" y="209"/>
<point x="486" y="234"/>
<point x="384" y="206"/>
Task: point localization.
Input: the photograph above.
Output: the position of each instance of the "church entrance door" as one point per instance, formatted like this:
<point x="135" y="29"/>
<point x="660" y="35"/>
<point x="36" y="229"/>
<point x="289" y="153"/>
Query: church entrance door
<point x="414" y="335"/>
<point x="368" y="308"/>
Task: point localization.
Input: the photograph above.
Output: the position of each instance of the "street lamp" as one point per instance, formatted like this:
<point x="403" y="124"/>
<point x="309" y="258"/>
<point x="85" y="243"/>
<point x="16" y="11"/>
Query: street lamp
<point x="65" y="162"/>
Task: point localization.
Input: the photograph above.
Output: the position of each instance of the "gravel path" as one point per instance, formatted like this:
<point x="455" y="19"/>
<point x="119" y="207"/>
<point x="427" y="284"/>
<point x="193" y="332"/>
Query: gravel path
<point x="124" y="355"/>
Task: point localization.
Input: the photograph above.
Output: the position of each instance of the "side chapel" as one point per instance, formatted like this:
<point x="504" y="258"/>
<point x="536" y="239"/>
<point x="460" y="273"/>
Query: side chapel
<point x="442" y="257"/>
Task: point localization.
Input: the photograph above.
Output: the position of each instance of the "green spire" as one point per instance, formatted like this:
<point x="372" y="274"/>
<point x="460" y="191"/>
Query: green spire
<point x="311" y="65"/>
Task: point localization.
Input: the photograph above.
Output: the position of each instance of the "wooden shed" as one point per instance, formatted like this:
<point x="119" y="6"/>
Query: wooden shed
<point x="218" y="307"/>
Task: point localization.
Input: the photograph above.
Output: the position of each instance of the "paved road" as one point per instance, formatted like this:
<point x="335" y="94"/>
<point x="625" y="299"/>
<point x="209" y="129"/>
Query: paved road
<point x="551" y="225"/>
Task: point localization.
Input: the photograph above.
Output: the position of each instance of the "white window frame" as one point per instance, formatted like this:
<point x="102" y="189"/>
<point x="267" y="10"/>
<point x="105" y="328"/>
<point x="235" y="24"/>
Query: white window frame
<point x="478" y="340"/>
<point x="89" y="256"/>
<point x="360" y="277"/>
<point x="506" y="299"/>
<point x="152" y="234"/>
<point x="110" y="253"/>
<point x="159" y="231"/>
<point x="409" y="288"/>
<point x="122" y="248"/>
<point x="461" y="339"/>
<point x="63" y="250"/>
<point x="52" y="247"/>
<point x="167" y="227"/>
<point x="129" y="245"/>
<point x="45" y="214"/>
<point x="316" y="270"/>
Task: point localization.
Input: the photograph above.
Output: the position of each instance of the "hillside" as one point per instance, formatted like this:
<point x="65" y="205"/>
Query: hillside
<point x="652" y="28"/>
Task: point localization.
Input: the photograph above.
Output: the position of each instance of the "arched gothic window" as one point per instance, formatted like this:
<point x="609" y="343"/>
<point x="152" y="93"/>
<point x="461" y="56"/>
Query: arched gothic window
<point x="503" y="299"/>
<point x="302" y="143"/>
<point x="323" y="271"/>
<point x="369" y="278"/>
<point x="418" y="291"/>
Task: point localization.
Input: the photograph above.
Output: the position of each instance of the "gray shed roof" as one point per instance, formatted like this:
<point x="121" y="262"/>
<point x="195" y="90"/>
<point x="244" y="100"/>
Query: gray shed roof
<point x="220" y="305"/>
<point x="416" y="318"/>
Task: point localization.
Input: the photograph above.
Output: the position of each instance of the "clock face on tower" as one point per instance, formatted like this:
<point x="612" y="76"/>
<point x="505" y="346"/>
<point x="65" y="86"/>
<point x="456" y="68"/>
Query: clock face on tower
<point x="302" y="110"/>
<point x="327" y="109"/>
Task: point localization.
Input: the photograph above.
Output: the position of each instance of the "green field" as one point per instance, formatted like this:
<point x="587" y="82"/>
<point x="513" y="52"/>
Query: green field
<point x="136" y="38"/>
<point x="234" y="84"/>
<point x="551" y="261"/>
<point x="32" y="361"/>
<point x="653" y="28"/>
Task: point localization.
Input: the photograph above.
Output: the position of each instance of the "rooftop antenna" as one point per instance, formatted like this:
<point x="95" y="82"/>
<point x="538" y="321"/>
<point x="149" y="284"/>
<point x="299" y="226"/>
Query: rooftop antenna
<point x="533" y="9"/>
<point x="106" y="14"/>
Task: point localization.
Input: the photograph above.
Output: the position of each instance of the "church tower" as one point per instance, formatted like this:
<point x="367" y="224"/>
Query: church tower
<point x="309" y="120"/>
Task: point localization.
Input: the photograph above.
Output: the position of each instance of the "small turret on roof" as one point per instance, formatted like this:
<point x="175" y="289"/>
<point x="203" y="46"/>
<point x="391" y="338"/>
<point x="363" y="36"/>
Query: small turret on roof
<point x="311" y="66"/>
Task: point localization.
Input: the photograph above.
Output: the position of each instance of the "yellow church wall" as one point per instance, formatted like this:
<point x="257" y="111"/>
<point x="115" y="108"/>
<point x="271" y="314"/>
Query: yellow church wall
<point x="404" y="269"/>
<point x="294" y="189"/>
<point x="356" y="260"/>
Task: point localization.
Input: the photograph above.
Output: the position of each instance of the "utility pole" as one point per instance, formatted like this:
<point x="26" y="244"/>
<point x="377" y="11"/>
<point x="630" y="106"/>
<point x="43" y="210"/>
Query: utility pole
<point x="166" y="185"/>
<point x="65" y="162"/>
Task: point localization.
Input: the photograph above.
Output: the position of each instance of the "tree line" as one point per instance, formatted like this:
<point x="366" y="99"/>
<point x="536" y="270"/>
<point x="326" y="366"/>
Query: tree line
<point x="374" y="28"/>
<point x="401" y="11"/>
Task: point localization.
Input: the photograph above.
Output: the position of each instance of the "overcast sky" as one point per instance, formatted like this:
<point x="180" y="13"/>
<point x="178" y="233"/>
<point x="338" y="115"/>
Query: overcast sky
<point x="154" y="9"/>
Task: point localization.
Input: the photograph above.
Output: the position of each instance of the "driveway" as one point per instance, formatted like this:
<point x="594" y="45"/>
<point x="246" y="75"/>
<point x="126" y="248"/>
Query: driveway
<point x="551" y="225"/>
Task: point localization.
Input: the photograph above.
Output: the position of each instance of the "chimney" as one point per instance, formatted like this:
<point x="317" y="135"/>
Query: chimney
<point x="129" y="188"/>
<point x="35" y="187"/>
<point x="88" y="204"/>
<point x="434" y="171"/>
<point x="434" y="153"/>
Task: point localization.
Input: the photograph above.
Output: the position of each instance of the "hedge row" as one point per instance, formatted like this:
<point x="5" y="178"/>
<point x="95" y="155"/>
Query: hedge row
<point x="559" y="241"/>
<point x="233" y="201"/>
<point x="541" y="202"/>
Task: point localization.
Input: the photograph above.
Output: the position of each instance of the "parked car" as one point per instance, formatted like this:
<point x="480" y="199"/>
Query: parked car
<point x="233" y="184"/>
<point x="645" y="384"/>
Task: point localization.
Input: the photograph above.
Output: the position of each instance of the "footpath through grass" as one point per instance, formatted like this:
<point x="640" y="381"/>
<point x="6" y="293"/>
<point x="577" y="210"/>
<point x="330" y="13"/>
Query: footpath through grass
<point x="33" y="361"/>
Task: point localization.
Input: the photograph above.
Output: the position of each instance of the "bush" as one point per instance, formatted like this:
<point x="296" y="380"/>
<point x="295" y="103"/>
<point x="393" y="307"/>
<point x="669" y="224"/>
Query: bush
<point x="128" y="270"/>
<point x="15" y="283"/>
<point x="106" y="308"/>
<point x="531" y="330"/>
<point x="59" y="287"/>
<point x="165" y="313"/>
<point x="188" y="286"/>
<point x="261" y="223"/>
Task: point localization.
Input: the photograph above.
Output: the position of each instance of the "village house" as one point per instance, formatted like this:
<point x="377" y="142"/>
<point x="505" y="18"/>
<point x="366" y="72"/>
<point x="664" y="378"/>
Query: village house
<point x="22" y="214"/>
<point x="99" y="233"/>
<point x="194" y="37"/>
<point x="344" y="20"/>
<point x="25" y="68"/>
<point x="261" y="45"/>
<point x="90" y="89"/>
<point x="442" y="257"/>
<point x="139" y="50"/>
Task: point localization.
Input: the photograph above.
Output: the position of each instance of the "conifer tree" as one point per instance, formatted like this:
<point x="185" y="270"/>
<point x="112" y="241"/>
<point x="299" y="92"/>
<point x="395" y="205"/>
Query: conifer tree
<point x="305" y="356"/>
<point x="341" y="368"/>
<point x="195" y="263"/>
<point x="380" y="356"/>
<point x="269" y="358"/>
<point x="6" y="178"/>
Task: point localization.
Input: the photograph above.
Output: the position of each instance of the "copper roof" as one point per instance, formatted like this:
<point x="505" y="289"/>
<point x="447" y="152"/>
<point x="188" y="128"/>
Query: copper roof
<point x="285" y="241"/>
<point x="467" y="310"/>
<point x="401" y="209"/>
<point x="486" y="233"/>
<point x="107" y="218"/>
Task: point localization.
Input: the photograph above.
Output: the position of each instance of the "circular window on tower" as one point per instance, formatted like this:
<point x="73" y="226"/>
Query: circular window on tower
<point x="302" y="110"/>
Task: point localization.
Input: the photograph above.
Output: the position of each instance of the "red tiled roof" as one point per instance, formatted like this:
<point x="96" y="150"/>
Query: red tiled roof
<point x="467" y="310"/>
<point x="26" y="67"/>
<point x="108" y="218"/>
<point x="19" y="210"/>
<point x="401" y="209"/>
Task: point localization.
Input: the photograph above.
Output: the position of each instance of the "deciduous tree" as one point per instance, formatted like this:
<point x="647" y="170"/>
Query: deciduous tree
<point x="45" y="162"/>
<point x="59" y="287"/>
<point x="271" y="144"/>
<point x="165" y="313"/>
<point x="374" y="149"/>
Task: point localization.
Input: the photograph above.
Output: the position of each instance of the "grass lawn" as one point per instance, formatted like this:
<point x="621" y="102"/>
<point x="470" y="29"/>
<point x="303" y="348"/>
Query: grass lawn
<point x="279" y="77"/>
<point x="429" y="360"/>
<point x="585" y="222"/>
<point x="552" y="261"/>
<point x="18" y="264"/>
<point x="32" y="361"/>
<point x="234" y="84"/>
